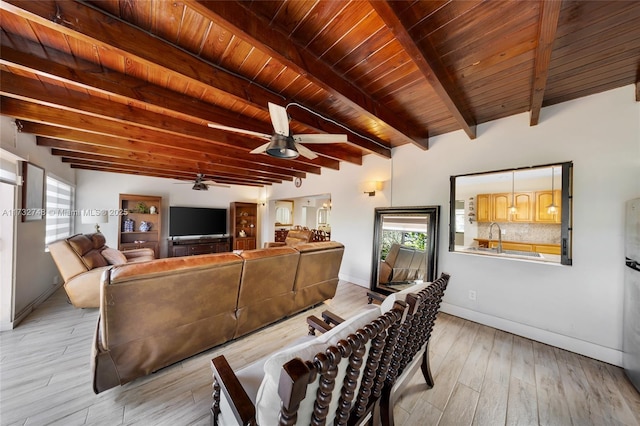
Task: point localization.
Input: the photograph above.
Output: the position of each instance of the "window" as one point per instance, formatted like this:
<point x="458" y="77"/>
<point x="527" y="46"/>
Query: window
<point x="59" y="206"/>
<point x="523" y="213"/>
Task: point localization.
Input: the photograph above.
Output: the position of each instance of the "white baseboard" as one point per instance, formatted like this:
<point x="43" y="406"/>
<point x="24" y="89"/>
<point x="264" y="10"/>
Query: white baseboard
<point x="30" y="307"/>
<point x="591" y="350"/>
<point x="354" y="280"/>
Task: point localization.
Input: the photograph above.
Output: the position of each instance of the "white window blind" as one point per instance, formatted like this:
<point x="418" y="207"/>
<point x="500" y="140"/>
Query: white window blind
<point x="60" y="203"/>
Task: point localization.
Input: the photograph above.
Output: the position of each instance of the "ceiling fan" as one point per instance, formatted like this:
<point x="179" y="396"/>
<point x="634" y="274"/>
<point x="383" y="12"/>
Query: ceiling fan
<point x="200" y="184"/>
<point x="282" y="144"/>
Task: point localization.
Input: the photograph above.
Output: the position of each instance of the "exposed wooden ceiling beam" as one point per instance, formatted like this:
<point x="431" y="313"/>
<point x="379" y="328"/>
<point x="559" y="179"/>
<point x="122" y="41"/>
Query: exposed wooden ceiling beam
<point x="97" y="161"/>
<point x="141" y="172"/>
<point x="267" y="38"/>
<point x="76" y="72"/>
<point x="78" y="20"/>
<point x="423" y="61"/>
<point x="141" y="124"/>
<point x="549" y="14"/>
<point x="80" y="141"/>
<point x="166" y="164"/>
<point x="96" y="27"/>
<point x="49" y="115"/>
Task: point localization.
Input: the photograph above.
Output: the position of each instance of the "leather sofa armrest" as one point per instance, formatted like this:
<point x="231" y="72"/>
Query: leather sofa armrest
<point x="133" y="255"/>
<point x="226" y="383"/>
<point x="84" y="290"/>
<point x="384" y="274"/>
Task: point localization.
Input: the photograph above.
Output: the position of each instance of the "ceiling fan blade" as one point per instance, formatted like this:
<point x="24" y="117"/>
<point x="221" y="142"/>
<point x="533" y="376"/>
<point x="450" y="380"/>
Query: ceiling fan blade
<point x="261" y="148"/>
<point x="279" y="119"/>
<point x="213" y="183"/>
<point x="305" y="152"/>
<point x="320" y="138"/>
<point x="234" y="129"/>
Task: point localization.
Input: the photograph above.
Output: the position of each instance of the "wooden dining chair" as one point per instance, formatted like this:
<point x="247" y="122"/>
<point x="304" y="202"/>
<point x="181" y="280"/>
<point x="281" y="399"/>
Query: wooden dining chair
<point x="337" y="377"/>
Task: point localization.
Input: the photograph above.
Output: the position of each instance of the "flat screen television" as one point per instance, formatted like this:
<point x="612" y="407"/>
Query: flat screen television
<point x="197" y="221"/>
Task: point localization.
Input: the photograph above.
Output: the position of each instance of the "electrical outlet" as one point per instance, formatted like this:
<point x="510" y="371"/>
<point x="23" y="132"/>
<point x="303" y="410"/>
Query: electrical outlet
<point x="472" y="295"/>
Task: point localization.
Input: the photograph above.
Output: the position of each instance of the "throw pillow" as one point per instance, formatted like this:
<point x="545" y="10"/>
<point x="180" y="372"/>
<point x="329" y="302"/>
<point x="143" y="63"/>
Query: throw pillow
<point x="113" y="256"/>
<point x="268" y="400"/>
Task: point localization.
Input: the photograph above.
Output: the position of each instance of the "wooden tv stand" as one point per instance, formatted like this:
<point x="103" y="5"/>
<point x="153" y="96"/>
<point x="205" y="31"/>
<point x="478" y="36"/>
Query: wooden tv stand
<point x="193" y="246"/>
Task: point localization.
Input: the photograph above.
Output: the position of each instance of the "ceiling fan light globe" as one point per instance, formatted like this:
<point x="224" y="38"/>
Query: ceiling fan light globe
<point x="282" y="147"/>
<point x="199" y="186"/>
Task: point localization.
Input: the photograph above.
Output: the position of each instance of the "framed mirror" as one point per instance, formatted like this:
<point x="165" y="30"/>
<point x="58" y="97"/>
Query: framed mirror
<point x="405" y="247"/>
<point x="522" y="213"/>
<point x="284" y="212"/>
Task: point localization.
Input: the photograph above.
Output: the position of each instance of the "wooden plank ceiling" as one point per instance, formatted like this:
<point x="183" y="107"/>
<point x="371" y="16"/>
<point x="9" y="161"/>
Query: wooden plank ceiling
<point x="129" y="86"/>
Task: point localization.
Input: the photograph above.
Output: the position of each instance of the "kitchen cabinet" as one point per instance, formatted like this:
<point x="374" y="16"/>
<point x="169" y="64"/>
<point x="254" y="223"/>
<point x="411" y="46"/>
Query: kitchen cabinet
<point x="543" y="200"/>
<point x="137" y="209"/>
<point x="524" y="202"/>
<point x="495" y="207"/>
<point x="500" y="207"/>
<point x="483" y="208"/>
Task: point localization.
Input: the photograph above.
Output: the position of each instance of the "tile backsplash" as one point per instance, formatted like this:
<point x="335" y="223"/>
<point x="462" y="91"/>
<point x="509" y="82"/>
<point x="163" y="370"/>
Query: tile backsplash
<point x="523" y="232"/>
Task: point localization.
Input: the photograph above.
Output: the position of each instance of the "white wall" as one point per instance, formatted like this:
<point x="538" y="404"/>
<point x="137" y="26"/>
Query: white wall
<point x="576" y="307"/>
<point x="32" y="284"/>
<point x="100" y="190"/>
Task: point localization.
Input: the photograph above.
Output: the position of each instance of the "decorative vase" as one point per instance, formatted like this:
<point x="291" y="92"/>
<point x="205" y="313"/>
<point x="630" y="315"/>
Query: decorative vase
<point x="145" y="226"/>
<point x="128" y="225"/>
<point x="152" y="210"/>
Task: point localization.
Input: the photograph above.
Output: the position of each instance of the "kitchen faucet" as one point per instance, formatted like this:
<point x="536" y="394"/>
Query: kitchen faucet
<point x="499" y="236"/>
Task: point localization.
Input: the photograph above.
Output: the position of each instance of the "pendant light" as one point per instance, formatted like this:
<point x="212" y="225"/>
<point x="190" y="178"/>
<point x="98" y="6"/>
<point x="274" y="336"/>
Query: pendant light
<point x="513" y="210"/>
<point x="552" y="208"/>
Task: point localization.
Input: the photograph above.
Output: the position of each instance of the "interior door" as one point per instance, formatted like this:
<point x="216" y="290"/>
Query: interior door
<point x="7" y="232"/>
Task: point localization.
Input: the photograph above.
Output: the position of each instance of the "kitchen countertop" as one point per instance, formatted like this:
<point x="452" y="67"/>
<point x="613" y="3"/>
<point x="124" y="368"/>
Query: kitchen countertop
<point x="510" y="254"/>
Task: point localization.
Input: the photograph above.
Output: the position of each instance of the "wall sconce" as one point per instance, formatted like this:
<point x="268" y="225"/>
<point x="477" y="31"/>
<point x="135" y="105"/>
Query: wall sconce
<point x="370" y="187"/>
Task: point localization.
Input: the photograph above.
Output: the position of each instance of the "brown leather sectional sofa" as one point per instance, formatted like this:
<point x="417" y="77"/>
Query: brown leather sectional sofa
<point x="156" y="313"/>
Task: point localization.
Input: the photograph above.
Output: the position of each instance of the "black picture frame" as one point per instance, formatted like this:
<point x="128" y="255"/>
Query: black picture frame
<point x="32" y="192"/>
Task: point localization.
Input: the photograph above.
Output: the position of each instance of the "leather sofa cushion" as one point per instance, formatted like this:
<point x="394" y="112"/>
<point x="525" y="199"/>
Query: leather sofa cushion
<point x="113" y="256"/>
<point x="162" y="267"/>
<point x="266" y="288"/>
<point x="94" y="259"/>
<point x="81" y="244"/>
<point x="98" y="240"/>
<point x="87" y="248"/>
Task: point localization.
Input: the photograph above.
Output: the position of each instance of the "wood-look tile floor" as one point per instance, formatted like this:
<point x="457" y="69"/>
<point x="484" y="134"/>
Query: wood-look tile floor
<point x="483" y="376"/>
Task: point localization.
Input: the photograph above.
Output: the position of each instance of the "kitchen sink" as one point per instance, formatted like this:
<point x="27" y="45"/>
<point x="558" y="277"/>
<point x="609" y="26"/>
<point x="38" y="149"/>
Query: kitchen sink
<point x="523" y="253"/>
<point x="507" y="252"/>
